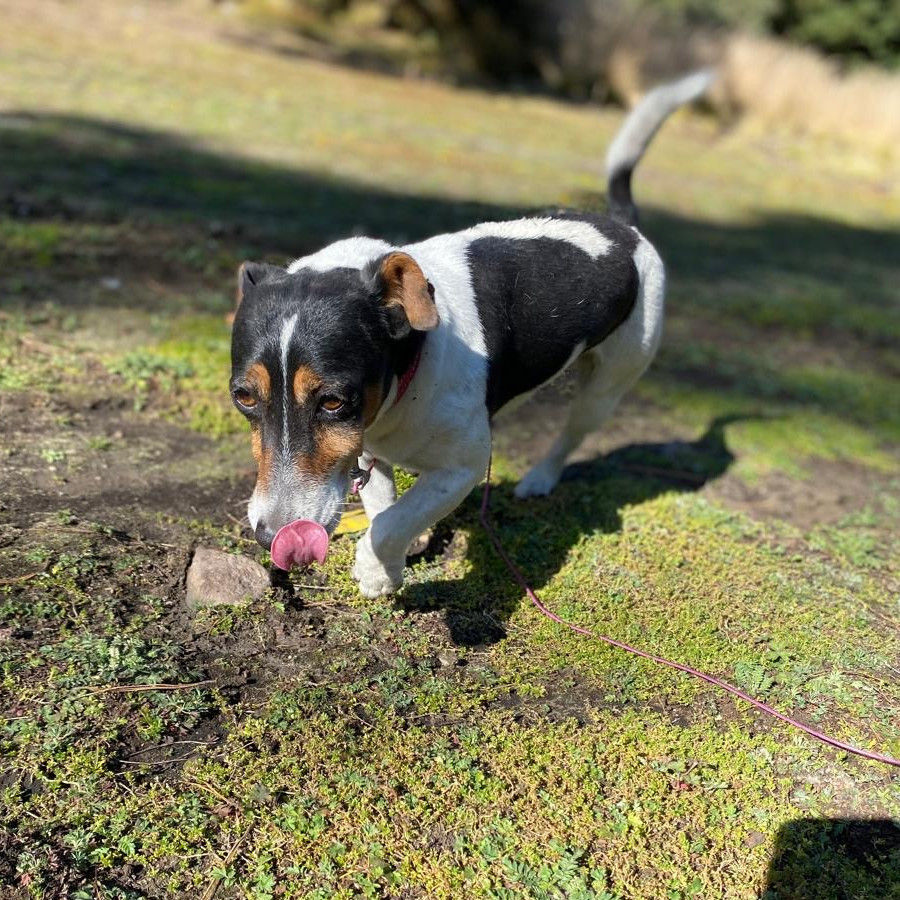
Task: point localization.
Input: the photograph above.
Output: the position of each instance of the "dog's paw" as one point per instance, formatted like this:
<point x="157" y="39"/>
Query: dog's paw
<point x="540" y="481"/>
<point x="374" y="578"/>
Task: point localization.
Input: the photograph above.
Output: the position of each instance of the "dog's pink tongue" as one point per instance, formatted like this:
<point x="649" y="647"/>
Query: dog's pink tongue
<point x="299" y="543"/>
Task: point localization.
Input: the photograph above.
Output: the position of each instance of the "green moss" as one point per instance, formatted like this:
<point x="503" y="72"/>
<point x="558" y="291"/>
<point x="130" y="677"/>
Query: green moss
<point x="185" y="375"/>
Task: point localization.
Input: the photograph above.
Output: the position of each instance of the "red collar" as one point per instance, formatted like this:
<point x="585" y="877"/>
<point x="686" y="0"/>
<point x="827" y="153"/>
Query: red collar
<point x="404" y="380"/>
<point x="361" y="476"/>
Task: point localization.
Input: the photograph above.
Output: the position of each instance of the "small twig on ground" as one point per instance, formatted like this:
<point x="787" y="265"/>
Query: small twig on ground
<point x="215" y="793"/>
<point x="498" y="624"/>
<point x="887" y="620"/>
<point x="213" y="886"/>
<point x="851" y="672"/>
<point x="136" y="688"/>
<point x="155" y="762"/>
<point x="19" y="578"/>
<point x="869" y="677"/>
<point x="170" y="744"/>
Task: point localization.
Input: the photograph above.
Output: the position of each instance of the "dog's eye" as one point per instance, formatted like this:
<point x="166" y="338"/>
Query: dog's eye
<point x="332" y="404"/>
<point x="244" y="398"/>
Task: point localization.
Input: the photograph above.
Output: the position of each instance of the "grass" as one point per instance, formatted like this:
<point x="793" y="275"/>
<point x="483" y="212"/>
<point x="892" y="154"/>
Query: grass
<point x="739" y="514"/>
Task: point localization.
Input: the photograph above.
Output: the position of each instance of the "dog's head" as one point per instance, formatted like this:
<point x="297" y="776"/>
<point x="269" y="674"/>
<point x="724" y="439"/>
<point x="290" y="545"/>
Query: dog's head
<point x="313" y="355"/>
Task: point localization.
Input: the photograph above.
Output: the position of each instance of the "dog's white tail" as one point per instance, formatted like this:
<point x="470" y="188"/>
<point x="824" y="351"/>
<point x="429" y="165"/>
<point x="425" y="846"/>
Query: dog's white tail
<point x="633" y="138"/>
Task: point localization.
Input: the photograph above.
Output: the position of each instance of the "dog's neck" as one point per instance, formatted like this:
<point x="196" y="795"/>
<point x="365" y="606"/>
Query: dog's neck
<point x="404" y="362"/>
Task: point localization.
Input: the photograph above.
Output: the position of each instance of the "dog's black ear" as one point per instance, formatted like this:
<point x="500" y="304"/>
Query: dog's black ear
<point x="251" y="274"/>
<point x="406" y="295"/>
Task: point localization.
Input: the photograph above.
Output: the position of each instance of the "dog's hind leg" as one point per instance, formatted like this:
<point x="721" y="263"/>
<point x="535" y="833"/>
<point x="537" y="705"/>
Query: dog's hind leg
<point x="599" y="392"/>
<point x="606" y="372"/>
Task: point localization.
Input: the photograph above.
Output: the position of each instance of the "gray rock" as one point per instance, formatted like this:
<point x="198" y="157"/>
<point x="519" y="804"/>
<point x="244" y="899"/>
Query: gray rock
<point x="215" y="578"/>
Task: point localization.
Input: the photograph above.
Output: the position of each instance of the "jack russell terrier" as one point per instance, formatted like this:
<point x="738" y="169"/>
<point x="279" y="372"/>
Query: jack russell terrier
<point x="369" y="355"/>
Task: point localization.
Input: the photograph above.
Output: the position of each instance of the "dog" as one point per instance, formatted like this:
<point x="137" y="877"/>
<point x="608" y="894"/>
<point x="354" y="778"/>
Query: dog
<point x="364" y="355"/>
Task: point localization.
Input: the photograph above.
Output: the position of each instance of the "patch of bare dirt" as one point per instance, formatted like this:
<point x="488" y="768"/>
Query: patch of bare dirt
<point x="833" y="491"/>
<point x="95" y="457"/>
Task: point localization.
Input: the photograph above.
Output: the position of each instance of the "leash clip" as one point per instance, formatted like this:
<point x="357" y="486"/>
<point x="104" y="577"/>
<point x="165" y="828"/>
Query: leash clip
<point x="360" y="477"/>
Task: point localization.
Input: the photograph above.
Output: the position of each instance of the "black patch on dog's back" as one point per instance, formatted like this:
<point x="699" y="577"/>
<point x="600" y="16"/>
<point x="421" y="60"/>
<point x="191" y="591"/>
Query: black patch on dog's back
<point x="538" y="298"/>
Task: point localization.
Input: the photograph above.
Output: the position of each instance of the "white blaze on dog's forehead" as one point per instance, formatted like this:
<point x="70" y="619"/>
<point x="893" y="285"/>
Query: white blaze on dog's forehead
<point x="351" y="253"/>
<point x="582" y="234"/>
<point x="287" y="332"/>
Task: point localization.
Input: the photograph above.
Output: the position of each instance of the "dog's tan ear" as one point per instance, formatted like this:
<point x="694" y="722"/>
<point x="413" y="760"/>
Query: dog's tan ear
<point x="404" y="285"/>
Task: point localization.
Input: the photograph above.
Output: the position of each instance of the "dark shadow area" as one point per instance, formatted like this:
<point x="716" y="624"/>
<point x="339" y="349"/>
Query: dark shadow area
<point x="59" y="169"/>
<point x="835" y="859"/>
<point x="539" y="533"/>
<point x="840" y="279"/>
<point x="69" y="169"/>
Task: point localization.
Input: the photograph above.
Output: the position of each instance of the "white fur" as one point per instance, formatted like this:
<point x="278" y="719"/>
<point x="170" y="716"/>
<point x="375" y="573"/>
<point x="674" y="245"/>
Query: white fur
<point x="607" y="371"/>
<point x="351" y="253"/>
<point x="440" y="427"/>
<point x="295" y="498"/>
<point x="284" y="341"/>
<point x="582" y="234"/>
<point x="645" y="119"/>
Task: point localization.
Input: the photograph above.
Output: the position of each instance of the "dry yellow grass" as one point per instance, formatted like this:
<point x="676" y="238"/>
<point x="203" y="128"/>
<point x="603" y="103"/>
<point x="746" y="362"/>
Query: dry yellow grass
<point x="795" y="86"/>
<point x="771" y="82"/>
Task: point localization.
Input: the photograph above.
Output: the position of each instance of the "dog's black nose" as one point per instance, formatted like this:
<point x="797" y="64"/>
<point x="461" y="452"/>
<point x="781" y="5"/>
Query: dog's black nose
<point x="264" y="535"/>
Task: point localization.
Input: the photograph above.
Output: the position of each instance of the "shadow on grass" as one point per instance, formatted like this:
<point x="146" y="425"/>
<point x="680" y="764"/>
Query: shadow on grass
<point x="539" y="533"/>
<point x="835" y="859"/>
<point x="59" y="170"/>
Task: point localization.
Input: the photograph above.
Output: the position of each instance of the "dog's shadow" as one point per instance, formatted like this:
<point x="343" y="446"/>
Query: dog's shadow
<point x="539" y="533"/>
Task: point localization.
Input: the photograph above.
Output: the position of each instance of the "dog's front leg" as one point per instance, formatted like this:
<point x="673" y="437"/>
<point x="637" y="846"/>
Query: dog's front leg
<point x="381" y="551"/>
<point x="380" y="491"/>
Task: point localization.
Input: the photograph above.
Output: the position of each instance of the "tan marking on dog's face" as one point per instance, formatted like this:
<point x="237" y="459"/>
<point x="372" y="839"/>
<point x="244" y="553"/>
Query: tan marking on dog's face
<point x="306" y="382"/>
<point x="263" y="457"/>
<point x="259" y="379"/>
<point x="334" y="444"/>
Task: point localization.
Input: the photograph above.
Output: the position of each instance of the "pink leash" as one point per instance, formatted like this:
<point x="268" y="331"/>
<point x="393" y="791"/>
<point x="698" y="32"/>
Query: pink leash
<point x="718" y="682"/>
